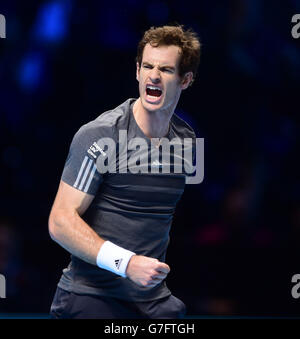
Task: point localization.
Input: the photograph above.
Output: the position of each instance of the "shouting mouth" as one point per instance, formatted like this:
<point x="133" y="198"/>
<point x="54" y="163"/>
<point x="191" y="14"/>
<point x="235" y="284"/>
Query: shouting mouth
<point x="153" y="93"/>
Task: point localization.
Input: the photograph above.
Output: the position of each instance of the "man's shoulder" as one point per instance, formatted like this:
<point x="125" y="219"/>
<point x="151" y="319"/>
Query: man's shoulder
<point x="182" y="127"/>
<point x="107" y="123"/>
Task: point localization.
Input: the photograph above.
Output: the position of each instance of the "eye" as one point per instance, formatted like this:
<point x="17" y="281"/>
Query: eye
<point x="168" y="70"/>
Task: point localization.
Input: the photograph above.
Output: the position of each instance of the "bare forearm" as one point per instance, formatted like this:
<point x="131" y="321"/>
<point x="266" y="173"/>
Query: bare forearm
<point x="71" y="232"/>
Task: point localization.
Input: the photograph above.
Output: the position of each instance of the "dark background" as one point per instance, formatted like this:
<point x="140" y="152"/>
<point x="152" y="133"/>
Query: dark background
<point x="235" y="238"/>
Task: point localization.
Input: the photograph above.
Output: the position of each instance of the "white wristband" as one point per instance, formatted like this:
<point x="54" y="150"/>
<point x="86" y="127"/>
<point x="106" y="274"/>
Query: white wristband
<point x="113" y="258"/>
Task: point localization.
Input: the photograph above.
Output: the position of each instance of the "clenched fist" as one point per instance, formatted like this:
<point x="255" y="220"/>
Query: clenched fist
<point x="145" y="271"/>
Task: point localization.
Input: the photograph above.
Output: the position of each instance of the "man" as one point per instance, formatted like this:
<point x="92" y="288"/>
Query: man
<point x="116" y="225"/>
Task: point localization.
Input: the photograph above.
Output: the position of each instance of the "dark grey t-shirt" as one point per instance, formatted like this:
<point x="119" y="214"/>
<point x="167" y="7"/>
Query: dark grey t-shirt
<point x="132" y="210"/>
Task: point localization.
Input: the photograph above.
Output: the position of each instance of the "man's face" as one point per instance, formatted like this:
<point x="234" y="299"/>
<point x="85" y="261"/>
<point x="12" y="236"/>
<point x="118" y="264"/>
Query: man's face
<point x="159" y="83"/>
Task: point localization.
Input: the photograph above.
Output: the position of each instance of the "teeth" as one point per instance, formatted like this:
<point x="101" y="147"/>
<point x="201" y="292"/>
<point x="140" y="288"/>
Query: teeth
<point x="153" y="87"/>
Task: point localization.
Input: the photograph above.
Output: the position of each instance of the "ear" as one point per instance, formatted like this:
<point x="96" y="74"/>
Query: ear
<point x="187" y="78"/>
<point x="137" y="71"/>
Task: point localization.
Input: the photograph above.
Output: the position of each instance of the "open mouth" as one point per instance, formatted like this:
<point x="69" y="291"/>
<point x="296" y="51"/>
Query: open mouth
<point x="153" y="91"/>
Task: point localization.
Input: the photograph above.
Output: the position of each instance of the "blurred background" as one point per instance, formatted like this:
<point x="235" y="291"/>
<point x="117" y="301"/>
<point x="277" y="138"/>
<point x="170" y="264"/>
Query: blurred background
<point x="235" y="237"/>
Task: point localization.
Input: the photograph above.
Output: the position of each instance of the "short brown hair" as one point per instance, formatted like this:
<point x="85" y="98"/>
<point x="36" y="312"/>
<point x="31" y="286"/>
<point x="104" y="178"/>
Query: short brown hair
<point x="186" y="40"/>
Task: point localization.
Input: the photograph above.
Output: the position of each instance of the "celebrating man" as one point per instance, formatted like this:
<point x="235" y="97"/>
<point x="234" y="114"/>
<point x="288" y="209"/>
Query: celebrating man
<point x="116" y="224"/>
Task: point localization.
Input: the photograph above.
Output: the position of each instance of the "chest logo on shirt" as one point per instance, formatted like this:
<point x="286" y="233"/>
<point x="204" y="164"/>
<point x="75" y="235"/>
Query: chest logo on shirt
<point x="95" y="149"/>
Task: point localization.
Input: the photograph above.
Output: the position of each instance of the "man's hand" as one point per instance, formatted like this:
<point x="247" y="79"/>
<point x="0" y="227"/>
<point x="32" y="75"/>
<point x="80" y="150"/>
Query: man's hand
<point x="145" y="271"/>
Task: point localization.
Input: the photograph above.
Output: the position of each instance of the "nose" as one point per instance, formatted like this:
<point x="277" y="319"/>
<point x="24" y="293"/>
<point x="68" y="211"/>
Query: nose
<point x="155" y="75"/>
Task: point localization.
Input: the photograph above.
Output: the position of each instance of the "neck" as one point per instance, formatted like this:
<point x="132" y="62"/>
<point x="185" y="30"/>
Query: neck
<point x="154" y="124"/>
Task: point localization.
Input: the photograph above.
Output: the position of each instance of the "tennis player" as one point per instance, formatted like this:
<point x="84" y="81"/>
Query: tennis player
<point x="116" y="224"/>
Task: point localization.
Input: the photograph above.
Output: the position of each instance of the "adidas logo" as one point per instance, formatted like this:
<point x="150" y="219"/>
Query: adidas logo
<point x="118" y="263"/>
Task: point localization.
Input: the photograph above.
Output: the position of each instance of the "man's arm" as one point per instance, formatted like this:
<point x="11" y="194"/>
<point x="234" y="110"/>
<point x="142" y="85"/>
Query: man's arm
<point x="69" y="230"/>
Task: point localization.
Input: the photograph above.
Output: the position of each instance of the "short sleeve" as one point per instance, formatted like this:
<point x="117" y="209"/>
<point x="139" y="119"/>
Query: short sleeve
<point x="80" y="170"/>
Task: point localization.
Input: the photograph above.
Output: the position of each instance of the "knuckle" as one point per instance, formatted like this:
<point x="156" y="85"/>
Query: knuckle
<point x="150" y="278"/>
<point x="157" y="265"/>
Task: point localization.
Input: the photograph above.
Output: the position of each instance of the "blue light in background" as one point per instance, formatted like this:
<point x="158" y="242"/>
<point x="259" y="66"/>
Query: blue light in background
<point x="30" y="71"/>
<point x="52" y="20"/>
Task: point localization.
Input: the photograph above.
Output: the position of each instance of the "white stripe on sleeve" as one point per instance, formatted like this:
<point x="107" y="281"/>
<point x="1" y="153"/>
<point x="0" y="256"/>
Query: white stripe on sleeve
<point x="80" y="171"/>
<point x="90" y="178"/>
<point x="87" y="170"/>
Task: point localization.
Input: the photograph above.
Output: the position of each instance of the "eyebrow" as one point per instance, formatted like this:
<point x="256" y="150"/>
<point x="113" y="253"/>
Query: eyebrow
<point x="162" y="66"/>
